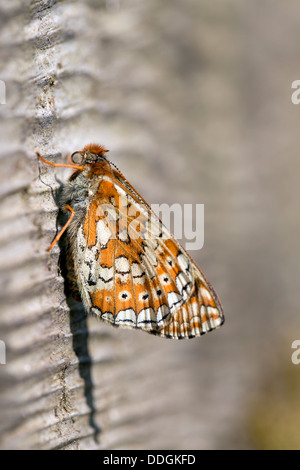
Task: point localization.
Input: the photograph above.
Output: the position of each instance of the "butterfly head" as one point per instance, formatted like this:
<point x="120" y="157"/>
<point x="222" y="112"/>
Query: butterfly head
<point x="90" y="154"/>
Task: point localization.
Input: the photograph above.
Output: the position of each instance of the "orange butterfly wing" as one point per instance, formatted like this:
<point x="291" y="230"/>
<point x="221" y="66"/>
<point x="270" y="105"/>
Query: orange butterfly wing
<point x="133" y="273"/>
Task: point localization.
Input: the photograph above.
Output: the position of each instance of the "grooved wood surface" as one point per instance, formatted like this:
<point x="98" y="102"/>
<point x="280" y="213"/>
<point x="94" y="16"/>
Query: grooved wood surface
<point x="193" y="100"/>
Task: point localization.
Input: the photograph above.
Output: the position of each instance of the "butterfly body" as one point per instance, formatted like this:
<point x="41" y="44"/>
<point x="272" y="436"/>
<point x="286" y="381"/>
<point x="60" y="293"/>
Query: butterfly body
<point x="123" y="263"/>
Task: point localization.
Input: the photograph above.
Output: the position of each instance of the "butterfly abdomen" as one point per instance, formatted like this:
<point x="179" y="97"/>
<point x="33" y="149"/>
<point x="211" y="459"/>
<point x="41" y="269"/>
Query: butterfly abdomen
<point x="78" y="193"/>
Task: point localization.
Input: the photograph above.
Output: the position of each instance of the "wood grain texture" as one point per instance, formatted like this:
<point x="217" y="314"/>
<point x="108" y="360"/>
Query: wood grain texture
<point x="174" y="89"/>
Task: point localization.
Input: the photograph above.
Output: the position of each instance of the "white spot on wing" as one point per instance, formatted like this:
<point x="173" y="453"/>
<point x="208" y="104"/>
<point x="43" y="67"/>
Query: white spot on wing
<point x="162" y="312"/>
<point x="106" y="273"/>
<point x="146" y="317"/>
<point x="126" y="317"/>
<point x="185" y="265"/>
<point x="136" y="269"/>
<point x="173" y="299"/>
<point x="105" y="278"/>
<point x="122" y="265"/>
<point x="182" y="283"/>
<point x="123" y="235"/>
<point x="205" y="293"/>
<point x="183" y="261"/>
<point x="148" y="267"/>
<point x="151" y="256"/>
<point x="212" y="311"/>
<point x="103" y="232"/>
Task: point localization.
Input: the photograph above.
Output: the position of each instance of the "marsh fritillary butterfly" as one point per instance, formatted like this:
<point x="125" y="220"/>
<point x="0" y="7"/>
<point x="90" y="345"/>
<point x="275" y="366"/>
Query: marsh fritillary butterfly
<point x="122" y="262"/>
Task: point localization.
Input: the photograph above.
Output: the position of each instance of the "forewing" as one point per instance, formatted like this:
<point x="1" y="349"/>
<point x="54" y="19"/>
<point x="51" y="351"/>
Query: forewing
<point x="202" y="311"/>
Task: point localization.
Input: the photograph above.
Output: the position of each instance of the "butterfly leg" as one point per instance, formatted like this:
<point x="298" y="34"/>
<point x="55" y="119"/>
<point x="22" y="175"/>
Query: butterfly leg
<point x="71" y="165"/>
<point x="58" y="236"/>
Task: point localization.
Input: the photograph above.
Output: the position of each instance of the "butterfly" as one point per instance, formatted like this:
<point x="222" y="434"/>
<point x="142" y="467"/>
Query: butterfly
<point x="122" y="262"/>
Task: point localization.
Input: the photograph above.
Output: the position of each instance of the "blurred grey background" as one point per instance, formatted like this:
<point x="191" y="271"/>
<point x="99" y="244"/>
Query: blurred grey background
<point x="193" y="99"/>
